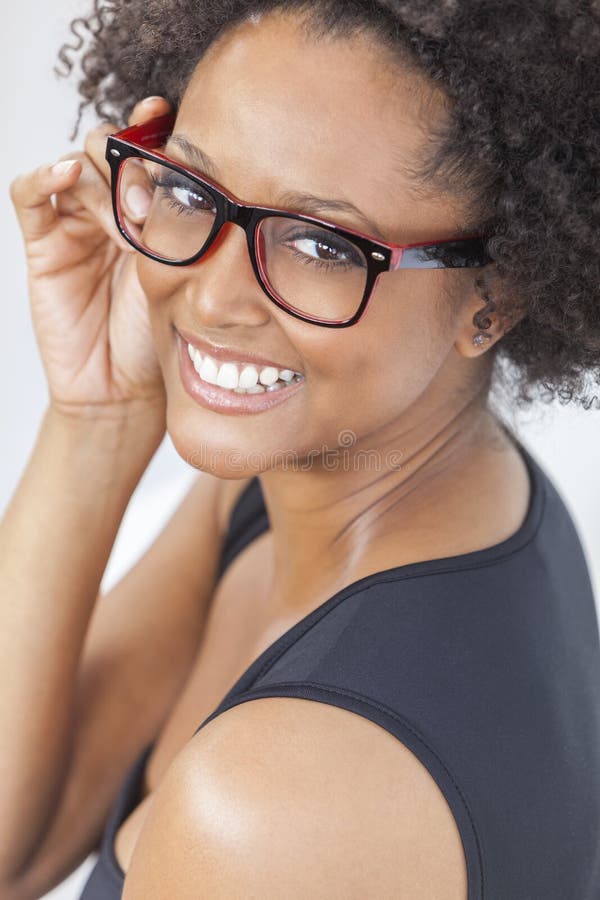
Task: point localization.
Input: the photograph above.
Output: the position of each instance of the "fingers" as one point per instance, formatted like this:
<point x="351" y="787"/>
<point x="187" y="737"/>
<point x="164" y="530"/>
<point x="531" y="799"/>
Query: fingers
<point x="95" y="148"/>
<point x="31" y="195"/>
<point x="91" y="193"/>
<point x="93" y="186"/>
<point x="81" y="192"/>
<point x="149" y="108"/>
<point x="95" y="141"/>
<point x="84" y="185"/>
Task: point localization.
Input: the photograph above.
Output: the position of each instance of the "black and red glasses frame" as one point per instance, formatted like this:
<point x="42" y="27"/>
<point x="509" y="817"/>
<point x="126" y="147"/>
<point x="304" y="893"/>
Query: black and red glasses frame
<point x="136" y="141"/>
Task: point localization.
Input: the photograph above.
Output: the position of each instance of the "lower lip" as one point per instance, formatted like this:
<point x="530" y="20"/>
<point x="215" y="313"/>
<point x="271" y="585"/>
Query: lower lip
<point x="227" y="402"/>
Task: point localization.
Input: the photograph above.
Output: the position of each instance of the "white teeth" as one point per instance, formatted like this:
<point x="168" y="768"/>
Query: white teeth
<point x="269" y="375"/>
<point x="208" y="370"/>
<point x="243" y="379"/>
<point x="228" y="376"/>
<point x="248" y="377"/>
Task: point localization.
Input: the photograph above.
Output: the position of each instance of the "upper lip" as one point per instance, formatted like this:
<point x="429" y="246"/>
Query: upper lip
<point x="228" y="354"/>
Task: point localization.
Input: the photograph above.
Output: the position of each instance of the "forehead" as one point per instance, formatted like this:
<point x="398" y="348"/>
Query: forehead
<point x="280" y="110"/>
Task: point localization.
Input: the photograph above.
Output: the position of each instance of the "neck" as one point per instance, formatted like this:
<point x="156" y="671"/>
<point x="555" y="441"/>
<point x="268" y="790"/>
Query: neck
<point x="373" y="504"/>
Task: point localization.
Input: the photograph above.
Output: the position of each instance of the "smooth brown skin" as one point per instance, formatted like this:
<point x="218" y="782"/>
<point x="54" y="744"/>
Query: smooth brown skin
<point x="278" y="796"/>
<point x="88" y="309"/>
<point x="278" y="113"/>
<point x="274" y="798"/>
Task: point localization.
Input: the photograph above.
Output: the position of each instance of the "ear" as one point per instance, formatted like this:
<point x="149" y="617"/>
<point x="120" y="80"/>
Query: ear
<point x="479" y="316"/>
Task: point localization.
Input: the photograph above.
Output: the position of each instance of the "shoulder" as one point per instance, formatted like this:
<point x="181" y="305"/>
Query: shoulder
<point x="284" y="796"/>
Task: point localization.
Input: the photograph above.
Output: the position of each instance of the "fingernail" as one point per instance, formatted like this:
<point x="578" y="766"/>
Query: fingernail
<point x="152" y="99"/>
<point x="63" y="167"/>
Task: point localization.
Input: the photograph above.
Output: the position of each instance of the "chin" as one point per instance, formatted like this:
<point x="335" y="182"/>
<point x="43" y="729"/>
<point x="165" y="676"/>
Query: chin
<point x="216" y="446"/>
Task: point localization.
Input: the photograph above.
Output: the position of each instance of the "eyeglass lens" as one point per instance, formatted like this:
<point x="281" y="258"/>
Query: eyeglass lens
<point x="310" y="268"/>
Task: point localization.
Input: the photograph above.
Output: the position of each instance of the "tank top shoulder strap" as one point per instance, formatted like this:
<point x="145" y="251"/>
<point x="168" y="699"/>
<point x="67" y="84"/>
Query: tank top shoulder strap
<point x="248" y="520"/>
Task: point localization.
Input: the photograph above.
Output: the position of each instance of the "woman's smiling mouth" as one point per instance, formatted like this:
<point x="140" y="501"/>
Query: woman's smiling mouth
<point x="233" y="386"/>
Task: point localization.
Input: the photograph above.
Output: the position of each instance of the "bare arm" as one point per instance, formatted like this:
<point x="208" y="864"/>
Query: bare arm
<point x="55" y="539"/>
<point x="87" y="683"/>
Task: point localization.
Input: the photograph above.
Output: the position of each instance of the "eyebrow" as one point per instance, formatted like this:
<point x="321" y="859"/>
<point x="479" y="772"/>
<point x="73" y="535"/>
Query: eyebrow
<point x="302" y="202"/>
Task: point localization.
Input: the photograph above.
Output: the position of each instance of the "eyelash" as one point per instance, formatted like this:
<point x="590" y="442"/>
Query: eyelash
<point x="321" y="263"/>
<point x="174" y="180"/>
<point x="170" y="182"/>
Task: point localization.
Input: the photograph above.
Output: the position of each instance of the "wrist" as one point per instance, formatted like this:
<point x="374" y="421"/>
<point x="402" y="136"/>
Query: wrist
<point x="120" y="433"/>
<point x="117" y="420"/>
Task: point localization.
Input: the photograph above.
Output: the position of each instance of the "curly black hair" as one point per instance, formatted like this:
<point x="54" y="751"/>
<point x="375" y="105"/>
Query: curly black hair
<point x="521" y="142"/>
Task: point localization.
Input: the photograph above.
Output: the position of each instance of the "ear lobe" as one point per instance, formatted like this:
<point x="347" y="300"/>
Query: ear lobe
<point x="473" y="343"/>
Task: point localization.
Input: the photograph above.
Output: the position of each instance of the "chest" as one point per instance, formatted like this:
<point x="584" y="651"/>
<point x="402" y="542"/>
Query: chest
<point x="244" y="620"/>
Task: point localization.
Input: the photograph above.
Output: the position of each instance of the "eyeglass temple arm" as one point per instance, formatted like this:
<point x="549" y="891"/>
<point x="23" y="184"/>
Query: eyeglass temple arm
<point x="155" y="132"/>
<point x="396" y="259"/>
<point x="152" y="133"/>
<point x="469" y="251"/>
<point x="412" y="257"/>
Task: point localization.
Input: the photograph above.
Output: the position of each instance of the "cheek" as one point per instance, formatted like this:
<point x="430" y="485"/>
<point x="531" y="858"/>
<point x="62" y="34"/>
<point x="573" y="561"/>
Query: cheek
<point x="159" y="284"/>
<point x="374" y="374"/>
<point x="401" y="339"/>
<point x="158" y="281"/>
<point x="404" y="338"/>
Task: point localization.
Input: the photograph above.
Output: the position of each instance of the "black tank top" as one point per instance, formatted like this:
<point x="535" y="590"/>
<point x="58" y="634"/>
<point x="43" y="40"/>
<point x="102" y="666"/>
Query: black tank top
<point x="485" y="665"/>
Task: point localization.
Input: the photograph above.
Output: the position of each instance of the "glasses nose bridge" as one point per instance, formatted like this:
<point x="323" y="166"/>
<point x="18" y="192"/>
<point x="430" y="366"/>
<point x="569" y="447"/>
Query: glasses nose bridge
<point x="237" y="214"/>
<point x="243" y="216"/>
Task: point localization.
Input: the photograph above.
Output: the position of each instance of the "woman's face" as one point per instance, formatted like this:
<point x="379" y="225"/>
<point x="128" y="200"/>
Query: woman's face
<point x="279" y="112"/>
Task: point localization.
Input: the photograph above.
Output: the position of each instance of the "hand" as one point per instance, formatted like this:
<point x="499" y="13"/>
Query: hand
<point x="88" y="308"/>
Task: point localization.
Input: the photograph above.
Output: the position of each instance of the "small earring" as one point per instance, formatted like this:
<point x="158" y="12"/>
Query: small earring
<point x="479" y="338"/>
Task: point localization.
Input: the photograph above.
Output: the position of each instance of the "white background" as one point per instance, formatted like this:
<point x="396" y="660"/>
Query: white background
<point x="38" y="112"/>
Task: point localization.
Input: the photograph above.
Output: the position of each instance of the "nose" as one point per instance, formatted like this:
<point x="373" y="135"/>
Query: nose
<point x="222" y="285"/>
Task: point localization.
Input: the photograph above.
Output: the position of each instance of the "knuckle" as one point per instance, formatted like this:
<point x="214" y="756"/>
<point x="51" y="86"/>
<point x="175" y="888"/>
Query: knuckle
<point x="15" y="186"/>
<point x="97" y="134"/>
<point x="18" y="187"/>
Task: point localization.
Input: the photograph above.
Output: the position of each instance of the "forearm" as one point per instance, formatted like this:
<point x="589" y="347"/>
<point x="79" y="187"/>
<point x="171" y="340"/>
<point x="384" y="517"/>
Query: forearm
<point x="55" y="540"/>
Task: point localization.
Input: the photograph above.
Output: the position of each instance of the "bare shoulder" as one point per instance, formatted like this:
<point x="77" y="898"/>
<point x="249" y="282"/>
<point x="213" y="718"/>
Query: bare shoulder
<point x="284" y="796"/>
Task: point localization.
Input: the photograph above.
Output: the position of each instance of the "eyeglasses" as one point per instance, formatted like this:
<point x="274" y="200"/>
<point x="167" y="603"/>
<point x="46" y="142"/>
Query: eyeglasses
<point x="311" y="268"/>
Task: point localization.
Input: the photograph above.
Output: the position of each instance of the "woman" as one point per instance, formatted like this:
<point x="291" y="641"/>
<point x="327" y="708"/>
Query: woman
<point x="331" y="226"/>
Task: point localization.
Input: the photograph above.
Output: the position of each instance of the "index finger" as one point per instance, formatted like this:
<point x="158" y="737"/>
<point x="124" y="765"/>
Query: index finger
<point x="148" y="108"/>
<point x="95" y="142"/>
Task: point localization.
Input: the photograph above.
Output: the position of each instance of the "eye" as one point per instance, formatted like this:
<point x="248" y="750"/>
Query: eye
<point x="181" y="193"/>
<point x="320" y="247"/>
